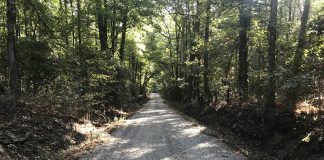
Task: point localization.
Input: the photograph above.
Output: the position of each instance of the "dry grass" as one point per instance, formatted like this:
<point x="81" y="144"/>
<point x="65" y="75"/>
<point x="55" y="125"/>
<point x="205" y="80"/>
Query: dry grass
<point x="94" y="136"/>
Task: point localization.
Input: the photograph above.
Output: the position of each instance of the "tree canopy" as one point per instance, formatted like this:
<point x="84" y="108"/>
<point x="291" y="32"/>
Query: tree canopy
<point x="199" y="52"/>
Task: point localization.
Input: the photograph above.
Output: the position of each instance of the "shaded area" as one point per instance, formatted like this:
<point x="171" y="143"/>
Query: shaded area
<point x="268" y="133"/>
<point x="32" y="132"/>
<point x="158" y="132"/>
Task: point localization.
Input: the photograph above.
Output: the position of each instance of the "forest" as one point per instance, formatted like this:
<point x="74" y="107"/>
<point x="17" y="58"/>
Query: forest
<point x="254" y="68"/>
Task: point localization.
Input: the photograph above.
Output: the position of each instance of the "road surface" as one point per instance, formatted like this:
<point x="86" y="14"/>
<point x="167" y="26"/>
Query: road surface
<point x="158" y="132"/>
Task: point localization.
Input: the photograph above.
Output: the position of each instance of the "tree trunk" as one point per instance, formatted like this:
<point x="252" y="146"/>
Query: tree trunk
<point x="300" y="51"/>
<point x="113" y="33"/>
<point x="177" y="50"/>
<point x="272" y="39"/>
<point x="66" y="22"/>
<point x="17" y="26"/>
<point x="191" y="43"/>
<point x="72" y="16"/>
<point x="25" y="20"/>
<point x="227" y="68"/>
<point x="206" y="54"/>
<point x="102" y="26"/>
<point x="197" y="33"/>
<point x="79" y="21"/>
<point x="13" y="69"/>
<point x="289" y="4"/>
<point x="245" y="18"/>
<point x="123" y="38"/>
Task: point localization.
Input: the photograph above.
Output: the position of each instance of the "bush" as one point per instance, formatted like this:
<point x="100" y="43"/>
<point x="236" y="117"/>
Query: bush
<point x="36" y="64"/>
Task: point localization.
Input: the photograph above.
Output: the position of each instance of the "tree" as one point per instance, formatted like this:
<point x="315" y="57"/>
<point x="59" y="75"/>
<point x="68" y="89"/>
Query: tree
<point x="272" y="38"/>
<point x="205" y="48"/>
<point x="298" y="57"/>
<point x="244" y="18"/>
<point x="79" y="22"/>
<point x="102" y="24"/>
<point x="124" y="30"/>
<point x="206" y="55"/>
<point x="11" y="26"/>
<point x="114" y="33"/>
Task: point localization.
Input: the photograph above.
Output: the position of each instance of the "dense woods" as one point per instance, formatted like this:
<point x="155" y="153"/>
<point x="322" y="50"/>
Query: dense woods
<point x="255" y="65"/>
<point x="257" y="50"/>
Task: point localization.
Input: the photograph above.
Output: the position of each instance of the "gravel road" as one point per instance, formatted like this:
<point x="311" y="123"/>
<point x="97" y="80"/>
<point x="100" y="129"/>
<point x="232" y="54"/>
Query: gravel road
<point x="158" y="132"/>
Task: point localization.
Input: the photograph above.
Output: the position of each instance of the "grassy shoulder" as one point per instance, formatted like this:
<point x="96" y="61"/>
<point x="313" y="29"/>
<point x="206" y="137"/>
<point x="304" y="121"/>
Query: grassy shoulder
<point x="260" y="133"/>
<point x="31" y="130"/>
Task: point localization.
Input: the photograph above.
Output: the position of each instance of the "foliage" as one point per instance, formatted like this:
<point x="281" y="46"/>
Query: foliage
<point x="37" y="65"/>
<point x="80" y="54"/>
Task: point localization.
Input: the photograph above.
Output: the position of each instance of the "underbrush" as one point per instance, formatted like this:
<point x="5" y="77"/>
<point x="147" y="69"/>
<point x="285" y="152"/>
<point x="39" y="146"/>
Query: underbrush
<point x="268" y="133"/>
<point x="33" y="128"/>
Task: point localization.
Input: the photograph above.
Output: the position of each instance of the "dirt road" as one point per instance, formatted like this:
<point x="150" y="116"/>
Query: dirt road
<point x="158" y="132"/>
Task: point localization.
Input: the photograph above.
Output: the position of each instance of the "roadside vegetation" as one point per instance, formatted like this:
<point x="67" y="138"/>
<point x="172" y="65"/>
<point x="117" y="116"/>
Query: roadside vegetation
<point x="253" y="67"/>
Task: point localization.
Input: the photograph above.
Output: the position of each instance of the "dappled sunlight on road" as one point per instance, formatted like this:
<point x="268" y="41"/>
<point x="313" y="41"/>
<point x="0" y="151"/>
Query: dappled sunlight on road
<point x="158" y="132"/>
